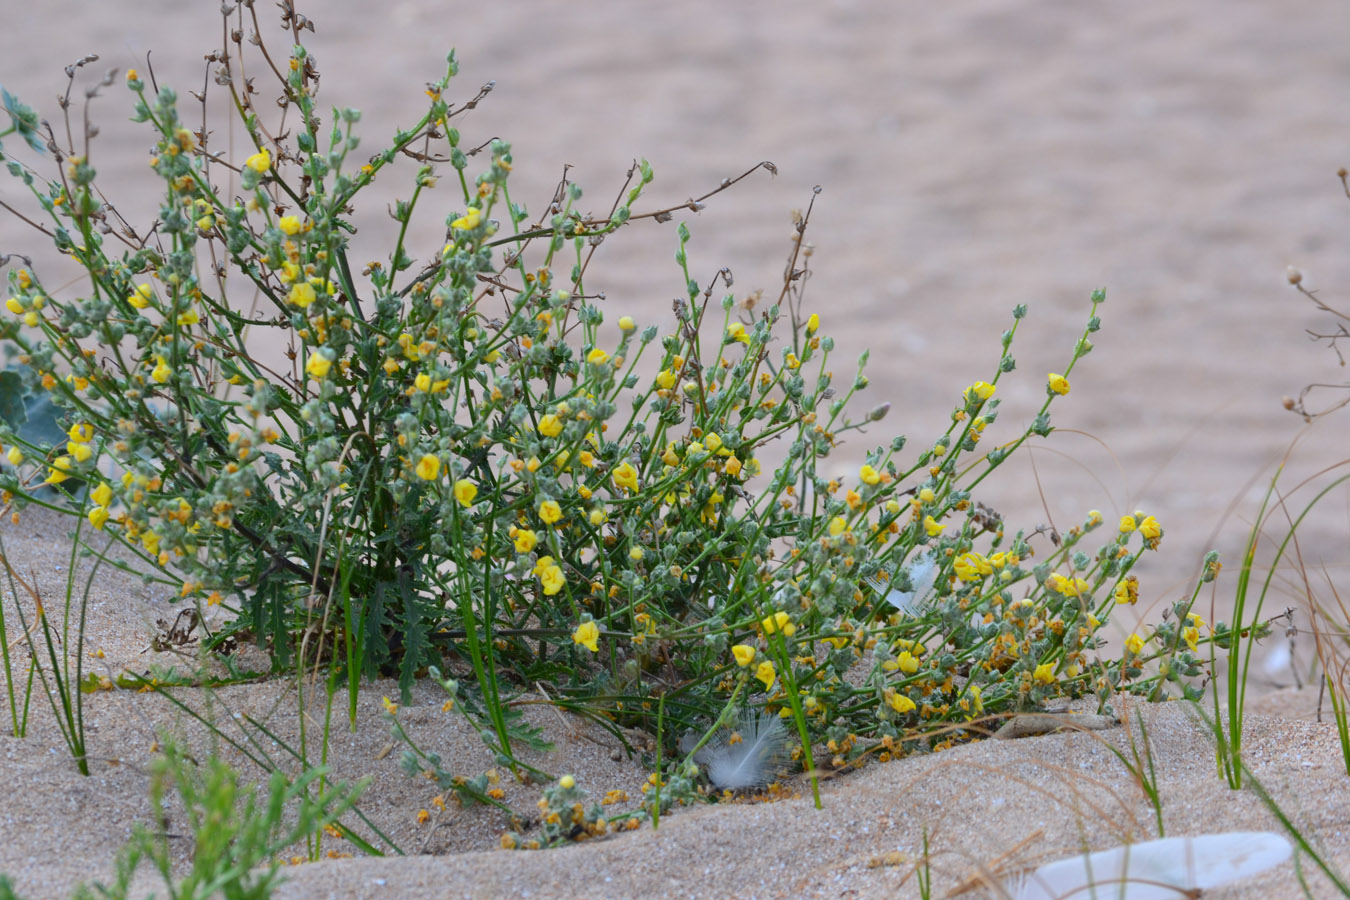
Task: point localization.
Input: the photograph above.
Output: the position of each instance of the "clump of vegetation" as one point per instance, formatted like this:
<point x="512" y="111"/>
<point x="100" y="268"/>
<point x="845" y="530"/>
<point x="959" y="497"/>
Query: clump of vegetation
<point x="477" y="463"/>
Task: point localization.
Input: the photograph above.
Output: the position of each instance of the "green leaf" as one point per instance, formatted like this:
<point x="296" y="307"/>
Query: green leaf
<point x="42" y="417"/>
<point x="414" y="633"/>
<point x="25" y="119"/>
<point x="12" y="409"/>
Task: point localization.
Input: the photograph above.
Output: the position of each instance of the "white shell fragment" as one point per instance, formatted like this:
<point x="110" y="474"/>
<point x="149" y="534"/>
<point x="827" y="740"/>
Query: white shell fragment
<point x="1167" y="869"/>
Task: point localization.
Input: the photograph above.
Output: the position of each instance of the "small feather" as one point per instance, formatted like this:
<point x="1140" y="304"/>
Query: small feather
<point x="1166" y="869"/>
<point x="922" y="574"/>
<point x="753" y="761"/>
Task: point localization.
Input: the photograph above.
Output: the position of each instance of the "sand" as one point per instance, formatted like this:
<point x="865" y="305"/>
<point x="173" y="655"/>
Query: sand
<point x="992" y="808"/>
<point x="971" y="158"/>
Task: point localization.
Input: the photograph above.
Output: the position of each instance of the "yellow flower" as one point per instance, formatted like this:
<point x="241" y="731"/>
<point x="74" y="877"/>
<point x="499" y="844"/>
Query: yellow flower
<point x="428" y="467"/>
<point x="588" y="636"/>
<point x="932" y="526"/>
<point x="101" y="495"/>
<point x="141" y="296"/>
<point x="626" y="323"/>
<point x="567" y="782"/>
<point x="14" y="306"/>
<point x="1044" y="674"/>
<point x="150" y="541"/>
<point x="901" y="704"/>
<point x="465" y="491"/>
<point x="1069" y="587"/>
<point x="981" y="389"/>
<point x="81" y="452"/>
<point x="597" y="517"/>
<point x="290" y="224"/>
<point x="837" y="526"/>
<point x="162" y="371"/>
<point x="971" y="567"/>
<point x="625" y="476"/>
<point x="736" y="332"/>
<point x="779" y="621"/>
<point x="812" y="324"/>
<point x="469" y="221"/>
<point x="744" y="653"/>
<point x="733" y="467"/>
<point x="302" y="294"/>
<point x="597" y="357"/>
<point x="550" y="511"/>
<point x="98" y="516"/>
<point x="550" y="426"/>
<point x="1191" y="636"/>
<point x="636" y="554"/>
<point x="81" y="433"/>
<point x="1058" y="383"/>
<point x="869" y="475"/>
<point x="1128" y="590"/>
<point x="15" y="456"/>
<point x="1150" y="528"/>
<point x="665" y="379"/>
<point x="765" y="672"/>
<point x="1134" y="643"/>
<point x="712" y="441"/>
<point x="259" y="162"/>
<point x="390" y="706"/>
<point x="1126" y="524"/>
<point x="553" y="580"/>
<point x="318" y="365"/>
<point x="525" y="539"/>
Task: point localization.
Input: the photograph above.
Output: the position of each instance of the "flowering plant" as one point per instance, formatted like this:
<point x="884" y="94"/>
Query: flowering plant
<point x="470" y="463"/>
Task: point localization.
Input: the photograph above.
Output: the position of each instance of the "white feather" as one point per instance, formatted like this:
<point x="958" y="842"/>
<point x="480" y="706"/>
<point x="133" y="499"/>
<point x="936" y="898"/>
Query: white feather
<point x="923" y="572"/>
<point x="752" y="761"/>
<point x="1156" y="870"/>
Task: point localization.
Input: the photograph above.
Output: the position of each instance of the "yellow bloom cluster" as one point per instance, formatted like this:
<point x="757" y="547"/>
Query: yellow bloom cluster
<point x="779" y="621"/>
<point x="1068" y="586"/>
<point x="523" y="538"/>
<point x="550" y="575"/>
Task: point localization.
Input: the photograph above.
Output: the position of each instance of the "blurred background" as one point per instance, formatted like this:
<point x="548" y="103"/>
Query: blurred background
<point x="972" y="157"/>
